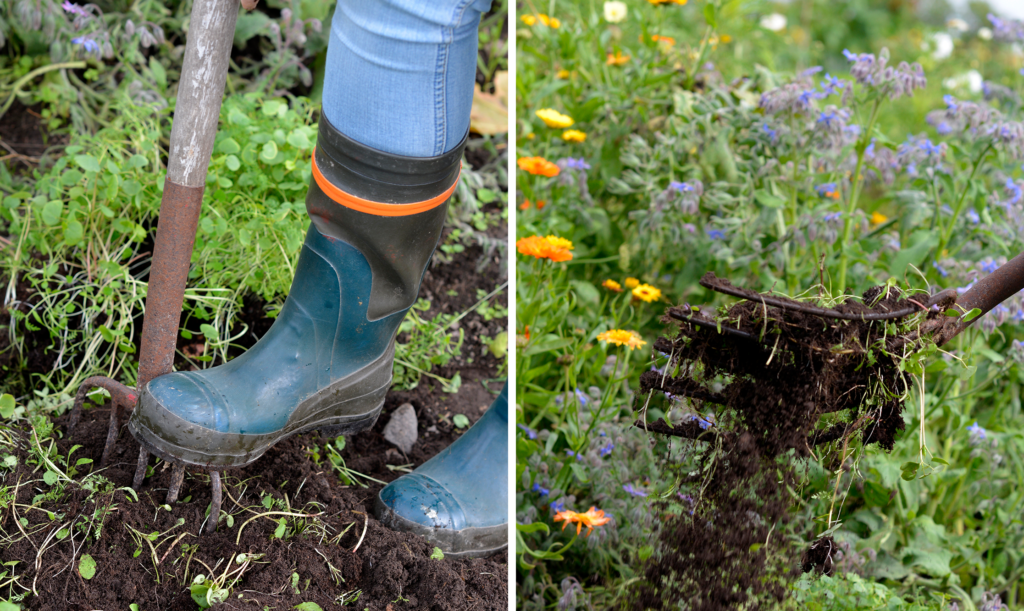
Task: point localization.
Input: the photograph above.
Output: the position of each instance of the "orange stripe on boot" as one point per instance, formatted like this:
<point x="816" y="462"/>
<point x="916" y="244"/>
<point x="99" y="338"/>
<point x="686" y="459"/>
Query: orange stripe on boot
<point x="376" y="208"/>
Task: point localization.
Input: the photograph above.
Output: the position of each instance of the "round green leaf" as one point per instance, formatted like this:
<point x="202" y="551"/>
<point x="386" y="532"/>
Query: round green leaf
<point x="87" y="567"/>
<point x="233" y="163"/>
<point x="228" y="146"/>
<point x="73" y="233"/>
<point x="52" y="211"/>
<point x="269" y="151"/>
<point x="87" y="163"/>
<point x="299" y="140"/>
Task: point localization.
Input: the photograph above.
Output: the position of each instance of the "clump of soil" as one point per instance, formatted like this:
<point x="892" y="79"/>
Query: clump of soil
<point x="770" y="368"/>
<point x="820" y="556"/>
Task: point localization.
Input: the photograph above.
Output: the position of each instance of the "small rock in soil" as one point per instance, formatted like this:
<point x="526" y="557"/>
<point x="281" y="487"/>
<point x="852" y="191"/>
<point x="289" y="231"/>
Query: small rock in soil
<point x="402" y="429"/>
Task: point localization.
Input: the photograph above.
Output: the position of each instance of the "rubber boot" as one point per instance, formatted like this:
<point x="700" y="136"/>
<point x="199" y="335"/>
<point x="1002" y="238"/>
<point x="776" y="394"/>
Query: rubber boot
<point x="458" y="499"/>
<point x="326" y="361"/>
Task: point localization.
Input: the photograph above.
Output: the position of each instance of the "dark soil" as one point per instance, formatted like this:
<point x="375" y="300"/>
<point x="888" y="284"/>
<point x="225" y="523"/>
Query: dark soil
<point x="771" y="381"/>
<point x="24" y="137"/>
<point x="388" y="566"/>
<point x="392" y="570"/>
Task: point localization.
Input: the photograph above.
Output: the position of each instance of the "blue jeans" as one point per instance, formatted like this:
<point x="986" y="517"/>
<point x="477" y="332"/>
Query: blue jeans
<point x="400" y="73"/>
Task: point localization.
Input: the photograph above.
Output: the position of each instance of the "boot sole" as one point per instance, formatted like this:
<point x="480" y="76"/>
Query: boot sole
<point x="349" y="405"/>
<point x="470" y="542"/>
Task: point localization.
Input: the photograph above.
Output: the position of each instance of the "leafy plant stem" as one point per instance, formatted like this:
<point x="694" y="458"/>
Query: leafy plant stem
<point x="855" y="191"/>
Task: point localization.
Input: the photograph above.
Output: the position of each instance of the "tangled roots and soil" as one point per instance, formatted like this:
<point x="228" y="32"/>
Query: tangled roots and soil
<point x="771" y="367"/>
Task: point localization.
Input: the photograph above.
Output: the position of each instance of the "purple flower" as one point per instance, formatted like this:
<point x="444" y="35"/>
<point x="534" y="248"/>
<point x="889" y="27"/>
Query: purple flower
<point x="542" y="490"/>
<point x="1015" y="191"/>
<point x="605" y="451"/>
<point x="716" y="234"/>
<point x="977" y="432"/>
<point x="942" y="271"/>
<point x="826" y="189"/>
<point x="833" y="216"/>
<point x="704" y="424"/>
<point x="832" y="84"/>
<point x="973" y="216"/>
<point x="811" y="71"/>
<point x="532" y="434"/>
<point x="849" y="56"/>
<point x="89" y="44"/>
<point x="582" y="397"/>
<point x="633" y="491"/>
<point x="73" y="8"/>
<point x="576" y="164"/>
<point x="943" y="128"/>
<point x="827" y="118"/>
<point x="574" y="454"/>
<point x="774" y="135"/>
<point x="988" y="266"/>
<point x="808" y="95"/>
<point x="557" y="506"/>
<point x="682" y="187"/>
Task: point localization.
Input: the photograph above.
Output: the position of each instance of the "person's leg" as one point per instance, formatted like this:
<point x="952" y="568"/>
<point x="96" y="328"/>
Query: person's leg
<point x="400" y="73"/>
<point x="377" y="200"/>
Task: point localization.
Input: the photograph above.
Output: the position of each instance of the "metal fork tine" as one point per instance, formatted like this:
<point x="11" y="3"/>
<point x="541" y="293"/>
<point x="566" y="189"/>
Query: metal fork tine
<point x="211" y="526"/>
<point x="177" y="477"/>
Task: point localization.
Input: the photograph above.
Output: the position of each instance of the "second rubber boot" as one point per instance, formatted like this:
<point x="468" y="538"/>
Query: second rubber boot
<point x="458" y="499"/>
<point x="326" y="361"/>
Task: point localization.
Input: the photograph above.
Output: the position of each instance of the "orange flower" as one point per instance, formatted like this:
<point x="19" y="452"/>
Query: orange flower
<point x="593" y="517"/>
<point x="554" y="248"/>
<point x="539" y="166"/>
<point x="668" y="41"/>
<point x="617" y="59"/>
<point x="527" y="204"/>
<point x="657" y="2"/>
<point x="612" y="286"/>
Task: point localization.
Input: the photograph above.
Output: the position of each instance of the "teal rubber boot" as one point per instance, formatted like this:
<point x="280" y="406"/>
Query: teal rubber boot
<point x="326" y="362"/>
<point x="458" y="500"/>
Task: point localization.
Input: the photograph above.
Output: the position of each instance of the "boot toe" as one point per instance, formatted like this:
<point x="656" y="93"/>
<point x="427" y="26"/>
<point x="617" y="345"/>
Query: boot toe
<point x="186" y="396"/>
<point x="423" y="501"/>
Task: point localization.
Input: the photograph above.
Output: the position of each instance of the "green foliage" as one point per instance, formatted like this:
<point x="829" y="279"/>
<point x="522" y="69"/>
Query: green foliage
<point x="685" y="170"/>
<point x="86" y="567"/>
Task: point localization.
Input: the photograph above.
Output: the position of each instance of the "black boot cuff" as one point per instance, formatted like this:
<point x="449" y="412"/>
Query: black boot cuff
<point x="382" y="177"/>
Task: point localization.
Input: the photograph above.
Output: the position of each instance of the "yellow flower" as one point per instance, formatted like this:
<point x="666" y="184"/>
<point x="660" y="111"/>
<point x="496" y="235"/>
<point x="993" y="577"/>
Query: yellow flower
<point x="528" y="19"/>
<point x="612" y="285"/>
<point x="593" y="517"/>
<point x="573" y="135"/>
<point x="551" y="22"/>
<point x="646" y="292"/>
<point x="621" y="337"/>
<point x="726" y="39"/>
<point x="632" y="283"/>
<point x="617" y="59"/>
<point x="562" y="74"/>
<point x="539" y="166"/>
<point x="558" y="242"/>
<point x="553" y="118"/>
<point x="877" y="218"/>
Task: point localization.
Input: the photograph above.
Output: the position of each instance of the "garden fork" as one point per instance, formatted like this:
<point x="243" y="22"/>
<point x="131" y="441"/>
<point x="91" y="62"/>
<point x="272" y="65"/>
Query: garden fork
<point x="194" y="128"/>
